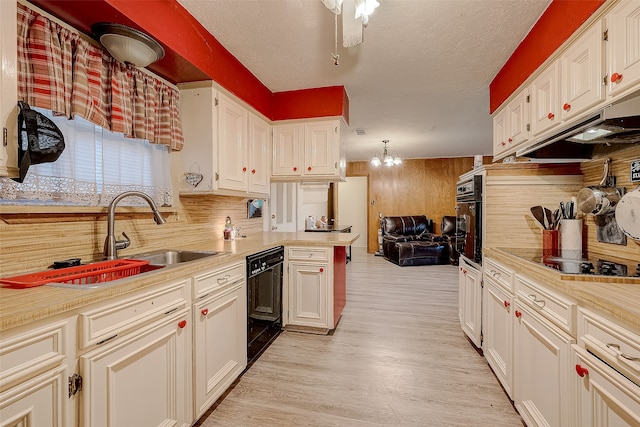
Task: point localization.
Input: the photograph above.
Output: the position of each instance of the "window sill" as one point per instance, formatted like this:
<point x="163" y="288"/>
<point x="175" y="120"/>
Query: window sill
<point x="19" y="214"/>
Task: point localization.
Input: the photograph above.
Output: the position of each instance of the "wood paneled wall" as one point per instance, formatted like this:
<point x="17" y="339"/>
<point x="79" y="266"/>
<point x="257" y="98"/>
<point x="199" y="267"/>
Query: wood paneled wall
<point x="417" y="187"/>
<point x="33" y="242"/>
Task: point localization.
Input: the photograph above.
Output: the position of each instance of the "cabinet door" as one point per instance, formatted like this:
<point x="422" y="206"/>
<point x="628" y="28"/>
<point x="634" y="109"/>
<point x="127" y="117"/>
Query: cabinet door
<point x="518" y="122"/>
<point x="220" y="347"/>
<point x="545" y="99"/>
<point x="471" y="290"/>
<point x="233" y="165"/>
<point x="603" y="397"/>
<point x="259" y="155"/>
<point x="582" y="73"/>
<point x="497" y="326"/>
<point x="141" y="379"/>
<point x="623" y="23"/>
<point x="8" y="90"/>
<point x="308" y="294"/>
<point x="38" y="402"/>
<point x="287" y="150"/>
<point x="542" y="364"/>
<point x="500" y="133"/>
<point x="321" y="148"/>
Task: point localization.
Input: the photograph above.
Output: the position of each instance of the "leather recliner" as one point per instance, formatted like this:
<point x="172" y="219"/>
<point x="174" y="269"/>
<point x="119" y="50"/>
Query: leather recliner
<point x="454" y="240"/>
<point x="409" y="240"/>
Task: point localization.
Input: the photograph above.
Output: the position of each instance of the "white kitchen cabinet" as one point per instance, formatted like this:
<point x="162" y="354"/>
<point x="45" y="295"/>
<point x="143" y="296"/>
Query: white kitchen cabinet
<point x="8" y="90"/>
<point x="233" y="167"/>
<point x="605" y="374"/>
<point x="310" y="287"/>
<point x="259" y="153"/>
<point x="224" y="142"/>
<point x="470" y="301"/>
<point x="220" y="334"/>
<point x="583" y="72"/>
<point x="545" y="100"/>
<point x="35" y="363"/>
<point x="542" y="356"/>
<point x="511" y="125"/>
<point x="140" y="379"/>
<point x="623" y="28"/>
<point x="497" y="322"/>
<point x="309" y="150"/>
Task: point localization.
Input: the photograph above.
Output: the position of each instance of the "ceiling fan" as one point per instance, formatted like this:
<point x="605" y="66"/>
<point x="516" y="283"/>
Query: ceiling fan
<point x="355" y="17"/>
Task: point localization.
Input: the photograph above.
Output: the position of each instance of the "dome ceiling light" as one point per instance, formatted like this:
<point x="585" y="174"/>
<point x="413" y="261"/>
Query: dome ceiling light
<point x="128" y="45"/>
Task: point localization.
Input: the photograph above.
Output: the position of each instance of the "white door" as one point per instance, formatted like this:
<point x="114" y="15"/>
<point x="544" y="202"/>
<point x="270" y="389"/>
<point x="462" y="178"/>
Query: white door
<point x="283" y="206"/>
<point x="352" y="206"/>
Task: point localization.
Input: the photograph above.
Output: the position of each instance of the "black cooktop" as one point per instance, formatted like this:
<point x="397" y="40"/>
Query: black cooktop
<point x="592" y="264"/>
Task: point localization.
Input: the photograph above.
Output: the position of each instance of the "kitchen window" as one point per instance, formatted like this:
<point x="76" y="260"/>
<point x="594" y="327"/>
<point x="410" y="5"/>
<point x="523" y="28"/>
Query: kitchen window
<point x="95" y="166"/>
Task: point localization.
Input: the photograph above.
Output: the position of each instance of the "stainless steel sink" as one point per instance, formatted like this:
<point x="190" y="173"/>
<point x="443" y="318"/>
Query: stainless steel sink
<point x="173" y="256"/>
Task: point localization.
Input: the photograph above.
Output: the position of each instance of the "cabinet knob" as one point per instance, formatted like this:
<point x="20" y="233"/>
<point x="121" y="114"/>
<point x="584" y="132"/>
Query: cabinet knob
<point x="309" y="168"/>
<point x="253" y="171"/>
<point x="615" y="77"/>
<point x="581" y="371"/>
<point x="321" y="269"/>
<point x="507" y="304"/>
<point x="295" y="169"/>
<point x="464" y="271"/>
<point x="518" y="314"/>
<point x="551" y="116"/>
<point x="503" y="143"/>
<point x="205" y="311"/>
<point x="182" y="324"/>
<point x="510" y="140"/>
<point x="244" y="169"/>
<point x="566" y="107"/>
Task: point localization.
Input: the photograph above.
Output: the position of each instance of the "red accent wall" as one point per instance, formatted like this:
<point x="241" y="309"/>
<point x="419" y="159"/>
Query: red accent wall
<point x="306" y="103"/>
<point x="339" y="282"/>
<point x="561" y="19"/>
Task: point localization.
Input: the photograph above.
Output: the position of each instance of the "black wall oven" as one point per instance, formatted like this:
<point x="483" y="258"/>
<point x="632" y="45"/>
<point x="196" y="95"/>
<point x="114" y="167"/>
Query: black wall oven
<point x="264" y="300"/>
<point x="469" y="218"/>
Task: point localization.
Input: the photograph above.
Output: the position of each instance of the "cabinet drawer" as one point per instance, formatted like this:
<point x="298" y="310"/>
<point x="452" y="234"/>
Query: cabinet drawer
<point x="309" y="254"/>
<point x="552" y="306"/>
<point x="124" y="315"/>
<point x="500" y="274"/>
<point x="612" y="343"/>
<point x="28" y="354"/>
<point x="212" y="280"/>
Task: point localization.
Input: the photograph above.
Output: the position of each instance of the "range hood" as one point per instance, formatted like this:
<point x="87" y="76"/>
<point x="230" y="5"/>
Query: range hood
<point x="614" y="124"/>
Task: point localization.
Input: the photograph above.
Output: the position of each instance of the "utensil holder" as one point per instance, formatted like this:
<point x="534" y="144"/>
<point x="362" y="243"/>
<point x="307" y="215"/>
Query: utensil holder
<point x="550" y="243"/>
<point x="571" y="238"/>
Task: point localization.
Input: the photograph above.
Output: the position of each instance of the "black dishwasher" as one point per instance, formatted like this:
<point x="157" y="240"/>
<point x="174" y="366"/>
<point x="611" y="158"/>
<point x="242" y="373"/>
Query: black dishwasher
<point x="264" y="300"/>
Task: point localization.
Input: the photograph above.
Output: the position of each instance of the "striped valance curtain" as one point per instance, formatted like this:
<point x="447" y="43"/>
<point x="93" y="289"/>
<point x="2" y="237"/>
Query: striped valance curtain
<point x="61" y="71"/>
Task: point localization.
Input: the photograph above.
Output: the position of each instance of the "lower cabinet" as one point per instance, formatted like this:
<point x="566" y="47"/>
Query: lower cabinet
<point x="470" y="301"/>
<point x="140" y="379"/>
<point x="35" y="363"/>
<point x="308" y="289"/>
<point x="220" y="342"/>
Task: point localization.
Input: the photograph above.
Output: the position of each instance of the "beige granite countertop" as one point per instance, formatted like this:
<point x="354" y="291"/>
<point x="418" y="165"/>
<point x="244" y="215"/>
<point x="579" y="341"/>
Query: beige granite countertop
<point x="611" y="296"/>
<point x="22" y="306"/>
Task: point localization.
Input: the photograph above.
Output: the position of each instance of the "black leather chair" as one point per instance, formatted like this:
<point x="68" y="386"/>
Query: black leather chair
<point x="454" y="240"/>
<point x="409" y="240"/>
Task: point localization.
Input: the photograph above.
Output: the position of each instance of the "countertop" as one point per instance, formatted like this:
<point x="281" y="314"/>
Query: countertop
<point x="22" y="306"/>
<point x="618" y="298"/>
<point x="330" y="228"/>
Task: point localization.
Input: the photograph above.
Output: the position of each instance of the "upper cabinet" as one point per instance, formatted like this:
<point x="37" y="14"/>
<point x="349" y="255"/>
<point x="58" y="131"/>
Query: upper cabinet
<point x="623" y="30"/>
<point x="307" y="151"/>
<point x="8" y="90"/>
<point x="598" y="66"/>
<point x="226" y="148"/>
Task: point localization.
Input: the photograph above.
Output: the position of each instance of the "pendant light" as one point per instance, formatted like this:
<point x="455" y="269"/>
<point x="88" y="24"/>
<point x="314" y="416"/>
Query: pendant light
<point x="387" y="159"/>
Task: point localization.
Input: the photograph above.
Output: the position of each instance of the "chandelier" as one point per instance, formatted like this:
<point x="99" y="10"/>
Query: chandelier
<point x="387" y="159"/>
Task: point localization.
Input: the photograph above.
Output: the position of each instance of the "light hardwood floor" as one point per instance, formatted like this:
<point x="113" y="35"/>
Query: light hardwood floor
<point x="397" y="358"/>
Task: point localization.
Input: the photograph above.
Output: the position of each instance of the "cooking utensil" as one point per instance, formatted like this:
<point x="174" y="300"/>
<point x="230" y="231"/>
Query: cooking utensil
<point x="628" y="214"/>
<point x="548" y="219"/>
<point x="562" y="210"/>
<point x="556" y="219"/>
<point x="600" y="199"/>
<point x="538" y="214"/>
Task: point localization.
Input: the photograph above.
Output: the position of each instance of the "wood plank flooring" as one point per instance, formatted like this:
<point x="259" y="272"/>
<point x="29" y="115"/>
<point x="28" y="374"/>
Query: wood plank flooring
<point x="397" y="358"/>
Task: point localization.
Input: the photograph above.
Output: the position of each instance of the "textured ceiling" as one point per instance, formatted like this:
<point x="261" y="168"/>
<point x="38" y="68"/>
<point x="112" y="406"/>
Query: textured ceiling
<point x="420" y="79"/>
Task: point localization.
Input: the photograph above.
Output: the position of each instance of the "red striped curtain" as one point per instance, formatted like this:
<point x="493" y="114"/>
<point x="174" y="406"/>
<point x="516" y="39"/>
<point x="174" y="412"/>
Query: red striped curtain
<point x="60" y="71"/>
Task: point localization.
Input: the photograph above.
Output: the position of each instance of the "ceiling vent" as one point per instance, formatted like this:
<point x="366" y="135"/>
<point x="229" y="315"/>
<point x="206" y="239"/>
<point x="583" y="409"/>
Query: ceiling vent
<point x="359" y="131"/>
